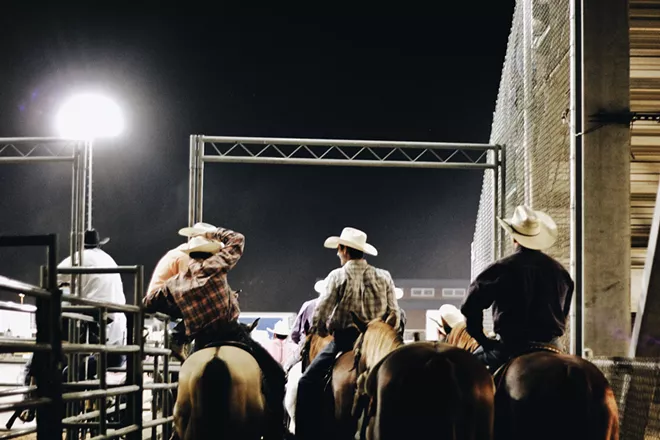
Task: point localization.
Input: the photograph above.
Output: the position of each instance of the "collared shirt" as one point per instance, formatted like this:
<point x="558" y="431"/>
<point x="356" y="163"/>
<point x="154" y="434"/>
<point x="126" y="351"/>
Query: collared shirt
<point x="303" y="320"/>
<point x="282" y="350"/>
<point x="531" y="296"/>
<point x="173" y="262"/>
<point x="101" y="287"/>
<point x="359" y="288"/>
<point x="201" y="293"/>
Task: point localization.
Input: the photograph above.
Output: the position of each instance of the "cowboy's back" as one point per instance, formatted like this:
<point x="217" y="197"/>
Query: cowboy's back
<point x="359" y="288"/>
<point x="531" y="296"/>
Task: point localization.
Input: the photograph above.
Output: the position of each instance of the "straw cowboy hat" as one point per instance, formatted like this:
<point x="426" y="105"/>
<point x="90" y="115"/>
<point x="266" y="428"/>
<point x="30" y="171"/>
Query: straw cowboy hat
<point x="320" y="286"/>
<point x="199" y="228"/>
<point x="531" y="229"/>
<point x="201" y="244"/>
<point x="398" y="292"/>
<point x="451" y="315"/>
<point x="353" y="238"/>
<point x="281" y="328"/>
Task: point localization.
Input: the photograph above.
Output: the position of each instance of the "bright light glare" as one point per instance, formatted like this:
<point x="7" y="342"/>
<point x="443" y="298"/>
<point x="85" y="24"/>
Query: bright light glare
<point x="89" y="116"/>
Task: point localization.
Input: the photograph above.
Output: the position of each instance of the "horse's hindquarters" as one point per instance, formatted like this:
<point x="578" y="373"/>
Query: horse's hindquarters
<point x="422" y="388"/>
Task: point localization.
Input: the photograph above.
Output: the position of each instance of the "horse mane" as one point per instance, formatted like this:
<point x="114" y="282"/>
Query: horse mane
<point x="377" y="341"/>
<point x="459" y="337"/>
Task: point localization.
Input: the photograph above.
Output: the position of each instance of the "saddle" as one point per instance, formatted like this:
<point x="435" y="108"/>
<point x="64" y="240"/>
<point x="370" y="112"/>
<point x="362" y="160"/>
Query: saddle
<point x="533" y="347"/>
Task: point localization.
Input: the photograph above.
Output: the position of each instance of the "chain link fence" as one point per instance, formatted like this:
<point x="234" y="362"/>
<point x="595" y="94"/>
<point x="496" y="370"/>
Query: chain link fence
<point x="531" y="122"/>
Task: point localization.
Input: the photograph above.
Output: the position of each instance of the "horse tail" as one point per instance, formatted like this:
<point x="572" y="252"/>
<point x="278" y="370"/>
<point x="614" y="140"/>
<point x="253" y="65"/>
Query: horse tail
<point x="213" y="392"/>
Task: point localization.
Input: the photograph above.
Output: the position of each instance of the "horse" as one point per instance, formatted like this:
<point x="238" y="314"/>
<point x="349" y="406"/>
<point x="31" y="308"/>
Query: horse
<point x="546" y="394"/>
<point x="393" y="376"/>
<point x="220" y="395"/>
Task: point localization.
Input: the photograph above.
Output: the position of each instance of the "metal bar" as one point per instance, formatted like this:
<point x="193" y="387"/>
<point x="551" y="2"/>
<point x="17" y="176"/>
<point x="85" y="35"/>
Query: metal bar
<point x="26" y="308"/>
<point x="157" y="351"/>
<point x="98" y="270"/>
<point x="496" y="199"/>
<point x="110" y="306"/>
<point x="17" y="391"/>
<point x="98" y="348"/>
<point x="503" y="201"/>
<point x="102" y="365"/>
<point x="117" y="433"/>
<point x="32" y="159"/>
<point x="53" y="391"/>
<point x="11" y="347"/>
<point x="78" y="317"/>
<point x="199" y="210"/>
<point x="192" y="180"/>
<point x="577" y="174"/>
<point x="83" y="395"/>
<point x="157" y="422"/>
<point x="25" y="404"/>
<point x="154" y="397"/>
<point x="348" y="163"/>
<point x="138" y="327"/>
<point x="14" y="433"/>
<point x="87" y="415"/>
<point x="20" y="287"/>
<point x="18" y="140"/>
<point x="345" y="143"/>
<point x="166" y="379"/>
<point x="88" y="202"/>
<point x="161" y="386"/>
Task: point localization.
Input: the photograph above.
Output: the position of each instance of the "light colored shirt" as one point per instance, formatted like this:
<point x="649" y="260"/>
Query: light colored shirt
<point x="359" y="288"/>
<point x="173" y="262"/>
<point x="101" y="287"/>
<point x="281" y="349"/>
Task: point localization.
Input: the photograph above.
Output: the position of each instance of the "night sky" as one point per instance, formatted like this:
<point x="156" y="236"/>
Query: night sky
<point x="422" y="75"/>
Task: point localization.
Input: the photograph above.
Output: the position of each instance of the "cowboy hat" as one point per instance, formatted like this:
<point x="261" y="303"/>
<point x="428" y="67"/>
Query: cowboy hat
<point x="320" y="286"/>
<point x="184" y="246"/>
<point x="398" y="292"/>
<point x="92" y="239"/>
<point x="353" y="238"/>
<point x="451" y="315"/>
<point x="531" y="229"/>
<point x="199" y="228"/>
<point x="281" y="328"/>
<point x="201" y="244"/>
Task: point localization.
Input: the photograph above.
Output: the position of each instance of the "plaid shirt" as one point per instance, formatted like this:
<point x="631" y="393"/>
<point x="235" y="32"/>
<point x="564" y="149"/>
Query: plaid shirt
<point x="201" y="294"/>
<point x="359" y="288"/>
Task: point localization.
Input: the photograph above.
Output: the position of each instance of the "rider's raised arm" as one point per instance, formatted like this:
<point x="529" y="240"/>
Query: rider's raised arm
<point x="481" y="294"/>
<point x="228" y="256"/>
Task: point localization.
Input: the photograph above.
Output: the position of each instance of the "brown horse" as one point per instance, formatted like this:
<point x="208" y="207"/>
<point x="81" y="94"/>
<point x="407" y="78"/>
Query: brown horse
<point x="549" y="395"/>
<point x="220" y="395"/>
<point x="398" y="375"/>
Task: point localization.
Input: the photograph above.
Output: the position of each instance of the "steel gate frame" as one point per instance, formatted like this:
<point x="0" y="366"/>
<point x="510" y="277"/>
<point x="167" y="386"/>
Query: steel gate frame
<point x="341" y="152"/>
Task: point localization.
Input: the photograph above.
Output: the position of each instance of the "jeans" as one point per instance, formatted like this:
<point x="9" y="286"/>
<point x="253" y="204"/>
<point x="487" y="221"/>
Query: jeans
<point x="499" y="354"/>
<point x="309" y="415"/>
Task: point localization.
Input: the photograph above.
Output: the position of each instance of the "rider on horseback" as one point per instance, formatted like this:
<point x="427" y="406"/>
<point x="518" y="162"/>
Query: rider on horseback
<point x="202" y="297"/>
<point x="355" y="287"/>
<point x="530" y="293"/>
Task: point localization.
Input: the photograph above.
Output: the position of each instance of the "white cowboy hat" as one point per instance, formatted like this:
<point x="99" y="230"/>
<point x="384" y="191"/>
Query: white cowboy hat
<point x="398" y="292"/>
<point x="184" y="246"/>
<point x="451" y="315"/>
<point x="281" y="328"/>
<point x="353" y="238"/>
<point x="201" y="244"/>
<point x="320" y="286"/>
<point x="199" y="228"/>
<point x="531" y="229"/>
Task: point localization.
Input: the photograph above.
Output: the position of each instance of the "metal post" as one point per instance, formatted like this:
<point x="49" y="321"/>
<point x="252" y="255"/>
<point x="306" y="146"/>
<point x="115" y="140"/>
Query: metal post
<point x="200" y="179"/>
<point x="102" y="367"/>
<point x="88" y="165"/>
<point x="134" y="365"/>
<point x="192" y="181"/>
<point x="166" y="379"/>
<point x="496" y="202"/>
<point x="577" y="176"/>
<point x="503" y="201"/>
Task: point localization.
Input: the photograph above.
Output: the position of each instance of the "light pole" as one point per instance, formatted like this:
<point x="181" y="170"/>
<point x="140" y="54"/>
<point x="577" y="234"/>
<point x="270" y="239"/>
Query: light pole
<point x="89" y="116"/>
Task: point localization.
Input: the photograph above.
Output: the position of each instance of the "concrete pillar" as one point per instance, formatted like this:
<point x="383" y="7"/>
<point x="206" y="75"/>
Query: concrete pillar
<point x="606" y="179"/>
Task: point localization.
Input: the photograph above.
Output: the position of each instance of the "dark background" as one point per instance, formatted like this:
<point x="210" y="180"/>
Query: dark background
<point x="417" y="75"/>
